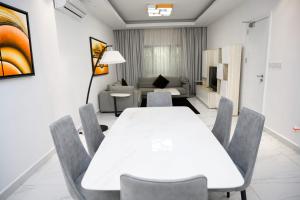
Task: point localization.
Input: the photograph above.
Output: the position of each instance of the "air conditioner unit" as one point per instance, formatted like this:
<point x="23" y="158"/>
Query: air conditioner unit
<point x="71" y="7"/>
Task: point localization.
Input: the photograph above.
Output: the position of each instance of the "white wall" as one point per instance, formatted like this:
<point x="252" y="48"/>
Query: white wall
<point x="29" y="104"/>
<point x="230" y="30"/>
<point x="282" y="85"/>
<point x="26" y="103"/>
<point x="75" y="57"/>
<point x="282" y="106"/>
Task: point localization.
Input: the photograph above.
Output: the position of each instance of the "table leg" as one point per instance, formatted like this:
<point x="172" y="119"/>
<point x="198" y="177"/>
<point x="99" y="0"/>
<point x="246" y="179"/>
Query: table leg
<point x="103" y="127"/>
<point x="115" y="105"/>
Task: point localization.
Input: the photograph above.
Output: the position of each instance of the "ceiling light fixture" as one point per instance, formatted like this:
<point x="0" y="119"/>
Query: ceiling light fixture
<point x="157" y="10"/>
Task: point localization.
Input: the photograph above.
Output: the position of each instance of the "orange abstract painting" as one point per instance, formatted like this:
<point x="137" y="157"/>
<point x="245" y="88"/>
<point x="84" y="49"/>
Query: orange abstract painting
<point x="15" y="47"/>
<point x="97" y="48"/>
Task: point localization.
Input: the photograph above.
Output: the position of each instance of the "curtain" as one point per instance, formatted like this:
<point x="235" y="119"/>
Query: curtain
<point x="166" y="51"/>
<point x="162" y="52"/>
<point x="194" y="41"/>
<point x="130" y="43"/>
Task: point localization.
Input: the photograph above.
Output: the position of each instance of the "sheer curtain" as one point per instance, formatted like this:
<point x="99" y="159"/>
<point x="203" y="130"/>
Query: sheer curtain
<point x="174" y="52"/>
<point x="130" y="43"/>
<point x="167" y="51"/>
<point x="194" y="41"/>
<point x="162" y="52"/>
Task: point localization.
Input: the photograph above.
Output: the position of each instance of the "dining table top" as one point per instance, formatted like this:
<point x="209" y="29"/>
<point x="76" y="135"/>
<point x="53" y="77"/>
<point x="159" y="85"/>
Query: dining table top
<point x="162" y="143"/>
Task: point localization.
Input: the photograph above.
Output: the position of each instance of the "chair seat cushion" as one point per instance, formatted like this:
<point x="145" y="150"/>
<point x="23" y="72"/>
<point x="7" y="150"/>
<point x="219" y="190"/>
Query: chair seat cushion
<point x="94" y="194"/>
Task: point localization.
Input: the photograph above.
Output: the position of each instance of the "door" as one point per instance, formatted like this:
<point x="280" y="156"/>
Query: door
<point x="254" y="65"/>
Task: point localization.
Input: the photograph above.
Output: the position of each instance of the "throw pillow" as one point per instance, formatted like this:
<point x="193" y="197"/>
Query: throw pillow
<point x="124" y="83"/>
<point x="160" y="82"/>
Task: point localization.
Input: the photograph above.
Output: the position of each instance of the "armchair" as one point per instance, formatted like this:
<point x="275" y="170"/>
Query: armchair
<point x="106" y="103"/>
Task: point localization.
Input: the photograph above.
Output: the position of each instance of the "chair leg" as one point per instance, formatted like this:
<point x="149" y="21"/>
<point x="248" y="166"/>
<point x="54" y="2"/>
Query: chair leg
<point x="243" y="195"/>
<point x="228" y="194"/>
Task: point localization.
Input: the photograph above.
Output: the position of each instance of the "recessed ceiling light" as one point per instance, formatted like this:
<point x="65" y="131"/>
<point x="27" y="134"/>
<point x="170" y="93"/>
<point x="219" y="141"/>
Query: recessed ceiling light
<point x="162" y="9"/>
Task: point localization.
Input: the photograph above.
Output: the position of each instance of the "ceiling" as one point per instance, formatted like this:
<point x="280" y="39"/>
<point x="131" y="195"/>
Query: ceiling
<point x="135" y="11"/>
<point x="123" y="14"/>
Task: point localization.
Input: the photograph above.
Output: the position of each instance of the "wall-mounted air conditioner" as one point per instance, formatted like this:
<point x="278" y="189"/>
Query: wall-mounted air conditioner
<point x="71" y="7"/>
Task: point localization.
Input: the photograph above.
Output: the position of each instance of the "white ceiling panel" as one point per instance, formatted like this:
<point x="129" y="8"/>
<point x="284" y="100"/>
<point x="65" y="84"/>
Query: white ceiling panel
<point x="133" y="11"/>
<point x="124" y="14"/>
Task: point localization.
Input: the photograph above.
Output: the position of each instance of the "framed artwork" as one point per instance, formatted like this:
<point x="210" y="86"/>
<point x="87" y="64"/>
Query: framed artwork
<point x="97" y="48"/>
<point x="15" y="45"/>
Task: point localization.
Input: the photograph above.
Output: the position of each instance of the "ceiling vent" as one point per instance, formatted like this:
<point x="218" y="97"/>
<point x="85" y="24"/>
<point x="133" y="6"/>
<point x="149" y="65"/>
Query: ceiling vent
<point x="73" y="8"/>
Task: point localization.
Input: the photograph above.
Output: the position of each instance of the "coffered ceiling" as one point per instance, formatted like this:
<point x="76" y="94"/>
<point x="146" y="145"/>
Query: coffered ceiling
<point x="122" y="14"/>
<point x="135" y="11"/>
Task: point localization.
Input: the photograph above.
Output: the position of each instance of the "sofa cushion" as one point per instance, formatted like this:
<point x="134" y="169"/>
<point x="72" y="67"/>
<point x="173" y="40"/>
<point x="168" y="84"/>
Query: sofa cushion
<point x="121" y="88"/>
<point x="146" y="82"/>
<point x="174" y="82"/>
<point x="160" y="82"/>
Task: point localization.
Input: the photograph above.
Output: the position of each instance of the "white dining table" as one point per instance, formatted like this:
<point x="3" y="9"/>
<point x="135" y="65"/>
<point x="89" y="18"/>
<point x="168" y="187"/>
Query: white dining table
<point x="164" y="143"/>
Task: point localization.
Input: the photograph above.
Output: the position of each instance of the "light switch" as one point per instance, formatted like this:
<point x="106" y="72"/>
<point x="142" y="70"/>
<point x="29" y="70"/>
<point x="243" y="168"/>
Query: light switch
<point x="275" y="65"/>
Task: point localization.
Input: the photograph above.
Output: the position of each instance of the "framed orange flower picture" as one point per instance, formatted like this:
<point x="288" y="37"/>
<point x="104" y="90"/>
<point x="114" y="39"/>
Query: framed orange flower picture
<point x="97" y="47"/>
<point x="15" y="45"/>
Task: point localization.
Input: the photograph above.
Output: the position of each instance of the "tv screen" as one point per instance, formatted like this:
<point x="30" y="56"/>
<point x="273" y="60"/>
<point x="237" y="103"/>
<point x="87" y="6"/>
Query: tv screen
<point x="213" y="78"/>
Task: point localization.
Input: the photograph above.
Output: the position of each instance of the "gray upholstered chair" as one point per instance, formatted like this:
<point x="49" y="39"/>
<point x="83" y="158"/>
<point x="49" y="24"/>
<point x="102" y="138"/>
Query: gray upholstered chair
<point x="159" y="99"/>
<point x="92" y="131"/>
<point x="74" y="161"/>
<point x="133" y="188"/>
<point x="222" y="126"/>
<point x="244" y="146"/>
<point x="106" y="102"/>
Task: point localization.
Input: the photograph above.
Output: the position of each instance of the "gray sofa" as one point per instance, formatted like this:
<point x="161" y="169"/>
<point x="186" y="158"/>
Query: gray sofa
<point x="106" y="102"/>
<point x="145" y="85"/>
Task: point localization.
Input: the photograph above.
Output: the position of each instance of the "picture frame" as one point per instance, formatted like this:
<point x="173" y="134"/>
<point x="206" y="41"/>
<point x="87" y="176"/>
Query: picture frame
<point x="96" y="47"/>
<point x="16" y="59"/>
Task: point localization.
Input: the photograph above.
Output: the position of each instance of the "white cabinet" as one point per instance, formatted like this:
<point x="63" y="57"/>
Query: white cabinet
<point x="207" y="96"/>
<point x="204" y="64"/>
<point x="223" y="88"/>
<point x="228" y="75"/>
<point x="220" y="70"/>
<point x="225" y="54"/>
<point x="209" y="58"/>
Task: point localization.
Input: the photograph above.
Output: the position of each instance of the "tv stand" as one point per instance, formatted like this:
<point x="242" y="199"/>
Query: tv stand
<point x="207" y="96"/>
<point x="228" y="61"/>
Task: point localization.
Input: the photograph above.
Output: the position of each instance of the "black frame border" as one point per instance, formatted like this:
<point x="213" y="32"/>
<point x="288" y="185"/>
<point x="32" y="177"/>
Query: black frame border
<point x="92" y="38"/>
<point x="29" y="38"/>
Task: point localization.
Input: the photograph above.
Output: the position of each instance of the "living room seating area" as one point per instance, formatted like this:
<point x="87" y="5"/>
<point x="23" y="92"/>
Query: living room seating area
<point x="179" y="85"/>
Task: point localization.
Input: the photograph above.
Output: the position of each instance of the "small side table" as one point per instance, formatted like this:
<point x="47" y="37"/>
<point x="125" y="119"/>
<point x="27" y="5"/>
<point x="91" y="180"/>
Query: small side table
<point x="115" y="96"/>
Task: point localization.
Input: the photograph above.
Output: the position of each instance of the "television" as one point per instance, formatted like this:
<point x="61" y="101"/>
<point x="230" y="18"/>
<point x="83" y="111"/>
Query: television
<point x="213" y="78"/>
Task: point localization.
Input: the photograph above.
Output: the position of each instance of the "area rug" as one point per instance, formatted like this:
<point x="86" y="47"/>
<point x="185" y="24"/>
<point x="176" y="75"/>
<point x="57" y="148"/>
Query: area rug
<point x="176" y="102"/>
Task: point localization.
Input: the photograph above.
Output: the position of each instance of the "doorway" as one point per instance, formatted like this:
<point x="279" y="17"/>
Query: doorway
<point x="254" y="65"/>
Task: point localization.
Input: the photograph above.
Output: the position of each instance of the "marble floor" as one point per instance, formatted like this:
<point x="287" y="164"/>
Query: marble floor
<point x="276" y="175"/>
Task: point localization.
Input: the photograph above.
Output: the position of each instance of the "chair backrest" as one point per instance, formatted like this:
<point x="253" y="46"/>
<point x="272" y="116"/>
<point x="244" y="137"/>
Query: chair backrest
<point x="133" y="188"/>
<point x="222" y="125"/>
<point x="159" y="99"/>
<point x="245" y="142"/>
<point x="73" y="158"/>
<point x="92" y="130"/>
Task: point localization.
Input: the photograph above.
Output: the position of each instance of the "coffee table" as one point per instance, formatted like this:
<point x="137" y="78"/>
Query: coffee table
<point x="115" y="96"/>
<point x="173" y="91"/>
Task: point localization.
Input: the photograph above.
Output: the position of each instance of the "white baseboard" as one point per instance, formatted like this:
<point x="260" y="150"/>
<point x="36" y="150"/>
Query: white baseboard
<point x="15" y="184"/>
<point x="283" y="139"/>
